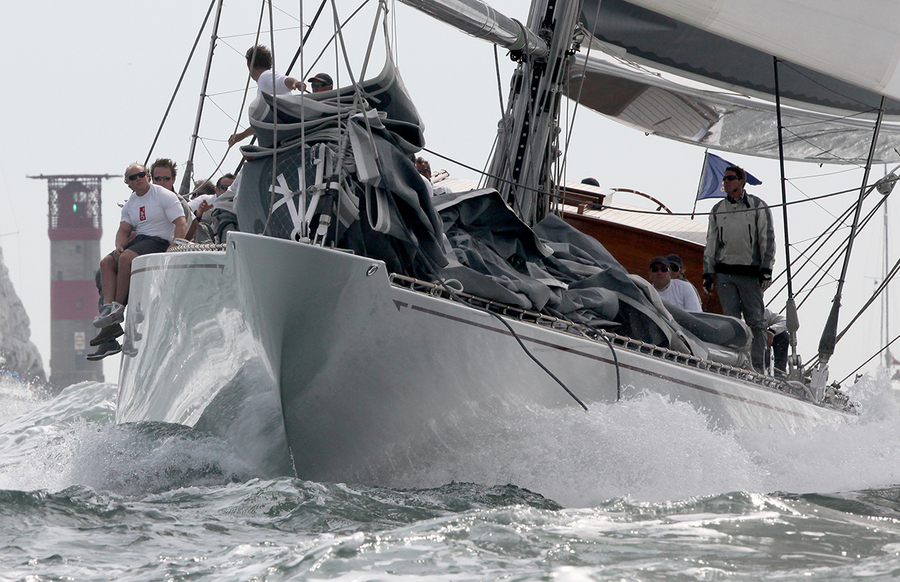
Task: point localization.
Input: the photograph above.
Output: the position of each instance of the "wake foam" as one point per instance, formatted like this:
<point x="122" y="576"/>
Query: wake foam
<point x="72" y="440"/>
<point x="649" y="449"/>
<point x="644" y="449"/>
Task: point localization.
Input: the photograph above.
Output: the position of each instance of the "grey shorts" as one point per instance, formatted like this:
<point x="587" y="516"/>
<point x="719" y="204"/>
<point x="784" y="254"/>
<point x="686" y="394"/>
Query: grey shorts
<point x="145" y="245"/>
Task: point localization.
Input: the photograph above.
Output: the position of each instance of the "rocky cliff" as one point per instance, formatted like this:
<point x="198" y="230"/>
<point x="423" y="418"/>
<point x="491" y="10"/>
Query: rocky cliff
<point x="17" y="353"/>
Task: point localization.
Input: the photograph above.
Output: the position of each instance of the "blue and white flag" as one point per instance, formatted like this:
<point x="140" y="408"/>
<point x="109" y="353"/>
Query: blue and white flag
<point x="711" y="183"/>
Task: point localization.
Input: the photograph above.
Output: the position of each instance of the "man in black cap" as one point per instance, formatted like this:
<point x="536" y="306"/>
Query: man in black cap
<point x="321" y="82"/>
<point x="676" y="269"/>
<point x="674" y="291"/>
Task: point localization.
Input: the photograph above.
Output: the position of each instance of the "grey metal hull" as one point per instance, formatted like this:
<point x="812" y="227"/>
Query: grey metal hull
<point x="311" y="356"/>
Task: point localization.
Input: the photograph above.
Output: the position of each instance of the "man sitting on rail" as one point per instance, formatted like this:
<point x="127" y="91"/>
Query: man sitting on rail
<point x="156" y="215"/>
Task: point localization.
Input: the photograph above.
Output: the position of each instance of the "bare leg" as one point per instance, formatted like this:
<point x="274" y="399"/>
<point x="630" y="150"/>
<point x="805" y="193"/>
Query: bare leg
<point x="108" y="266"/>
<point x="123" y="276"/>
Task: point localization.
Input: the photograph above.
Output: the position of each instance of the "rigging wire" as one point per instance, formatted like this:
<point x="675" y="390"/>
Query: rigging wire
<point x="562" y="167"/>
<point x="833" y="256"/>
<point x="428" y="264"/>
<point x="499" y="80"/>
<point x="162" y="123"/>
<point x="790" y="66"/>
<point x="303" y="226"/>
<point x="799" y="138"/>
<point x="585" y="34"/>
<point x="505" y="113"/>
<point x="873" y="356"/>
<point x="334" y="36"/>
<point x="872" y="299"/>
<point x="189" y="165"/>
<point x="828" y="340"/>
<point x="844" y="170"/>
<point x="628" y="210"/>
<point x="790" y="181"/>
<point x="304" y="38"/>
<point x="818" y="245"/>
<point x="274" y="120"/>
<point x="237" y="122"/>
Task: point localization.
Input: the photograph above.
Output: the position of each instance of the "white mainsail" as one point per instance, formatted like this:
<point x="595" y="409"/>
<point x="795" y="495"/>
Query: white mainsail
<point x="705" y="81"/>
<point x="857" y="42"/>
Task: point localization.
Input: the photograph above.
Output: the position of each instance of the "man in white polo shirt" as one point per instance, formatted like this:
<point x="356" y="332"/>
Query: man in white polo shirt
<point x="156" y="216"/>
<point x="674" y="291"/>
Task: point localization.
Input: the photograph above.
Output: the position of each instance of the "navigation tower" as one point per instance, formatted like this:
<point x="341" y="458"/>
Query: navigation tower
<point x="74" y="228"/>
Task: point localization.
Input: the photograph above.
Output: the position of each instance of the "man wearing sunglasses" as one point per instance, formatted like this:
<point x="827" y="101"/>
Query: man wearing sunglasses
<point x="739" y="256"/>
<point x="671" y="289"/>
<point x="163" y="172"/>
<point x="156" y="216"/>
<point x="321" y="82"/>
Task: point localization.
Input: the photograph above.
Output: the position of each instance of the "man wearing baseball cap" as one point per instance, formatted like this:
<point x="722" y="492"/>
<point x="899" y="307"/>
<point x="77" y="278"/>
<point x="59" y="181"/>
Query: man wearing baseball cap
<point x="674" y="291"/>
<point x="321" y="82"/>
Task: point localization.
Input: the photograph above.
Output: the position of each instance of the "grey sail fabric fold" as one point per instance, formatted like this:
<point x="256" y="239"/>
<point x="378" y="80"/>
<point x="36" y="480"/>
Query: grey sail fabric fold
<point x="316" y="176"/>
<point x="578" y="279"/>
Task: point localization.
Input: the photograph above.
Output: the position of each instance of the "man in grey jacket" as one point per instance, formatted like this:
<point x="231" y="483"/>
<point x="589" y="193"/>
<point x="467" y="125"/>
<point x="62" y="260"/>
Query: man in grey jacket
<point x="739" y="255"/>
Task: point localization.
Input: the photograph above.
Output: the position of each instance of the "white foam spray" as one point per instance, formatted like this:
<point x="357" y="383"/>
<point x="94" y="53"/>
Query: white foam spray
<point x="645" y="449"/>
<point x="653" y="449"/>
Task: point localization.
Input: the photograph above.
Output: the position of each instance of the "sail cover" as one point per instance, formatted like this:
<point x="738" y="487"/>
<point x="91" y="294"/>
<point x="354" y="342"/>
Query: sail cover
<point x="673" y="79"/>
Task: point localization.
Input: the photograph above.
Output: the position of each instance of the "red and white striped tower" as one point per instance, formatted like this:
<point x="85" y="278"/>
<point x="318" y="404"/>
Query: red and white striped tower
<point x="74" y="229"/>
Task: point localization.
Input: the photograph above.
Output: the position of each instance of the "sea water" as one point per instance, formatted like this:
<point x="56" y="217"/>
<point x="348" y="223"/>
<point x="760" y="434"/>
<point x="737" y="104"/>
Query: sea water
<point x="641" y="490"/>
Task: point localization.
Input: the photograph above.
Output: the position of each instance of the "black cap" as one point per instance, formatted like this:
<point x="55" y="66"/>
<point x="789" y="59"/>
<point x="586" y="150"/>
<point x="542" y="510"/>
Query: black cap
<point x="675" y="259"/>
<point x="660" y="261"/>
<point x="323" y="78"/>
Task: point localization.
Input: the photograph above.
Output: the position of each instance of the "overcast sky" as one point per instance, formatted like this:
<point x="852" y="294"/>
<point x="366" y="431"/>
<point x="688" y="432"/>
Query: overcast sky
<point x="87" y="85"/>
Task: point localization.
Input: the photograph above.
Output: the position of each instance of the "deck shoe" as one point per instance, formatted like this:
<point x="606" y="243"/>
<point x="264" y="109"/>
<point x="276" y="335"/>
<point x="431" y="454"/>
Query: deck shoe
<point x="107" y="333"/>
<point x="107" y="348"/>
<point x="110" y="314"/>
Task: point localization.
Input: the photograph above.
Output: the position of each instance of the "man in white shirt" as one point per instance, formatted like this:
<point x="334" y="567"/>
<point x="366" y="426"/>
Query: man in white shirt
<point x="199" y="229"/>
<point x="156" y="216"/>
<point x="777" y="338"/>
<point x="423" y="167"/>
<point x="674" y="291"/>
<point x="677" y="272"/>
<point x="259" y="61"/>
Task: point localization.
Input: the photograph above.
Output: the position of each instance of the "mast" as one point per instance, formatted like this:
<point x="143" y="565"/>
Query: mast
<point x="186" y="180"/>
<point x="527" y="135"/>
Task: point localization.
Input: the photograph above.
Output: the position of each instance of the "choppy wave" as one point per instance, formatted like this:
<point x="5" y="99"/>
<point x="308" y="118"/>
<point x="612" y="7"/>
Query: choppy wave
<point x="292" y="529"/>
<point x="642" y="490"/>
